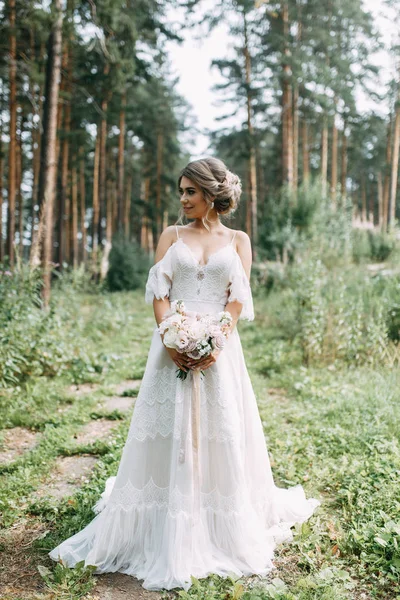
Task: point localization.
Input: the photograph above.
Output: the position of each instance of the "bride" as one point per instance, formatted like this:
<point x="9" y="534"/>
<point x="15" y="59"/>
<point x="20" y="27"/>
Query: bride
<point x="183" y="503"/>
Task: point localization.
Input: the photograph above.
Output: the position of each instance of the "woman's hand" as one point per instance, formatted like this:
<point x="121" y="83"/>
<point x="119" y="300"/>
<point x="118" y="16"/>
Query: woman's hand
<point x="186" y="363"/>
<point x="181" y="360"/>
<point x="205" y="362"/>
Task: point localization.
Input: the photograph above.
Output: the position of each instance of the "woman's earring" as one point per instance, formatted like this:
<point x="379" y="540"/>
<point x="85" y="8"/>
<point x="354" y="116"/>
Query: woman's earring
<point x="212" y="204"/>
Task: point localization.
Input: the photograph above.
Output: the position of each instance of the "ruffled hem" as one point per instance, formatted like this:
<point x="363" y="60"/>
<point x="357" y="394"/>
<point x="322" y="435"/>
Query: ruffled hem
<point x="165" y="549"/>
<point x="240" y="289"/>
<point x="159" y="280"/>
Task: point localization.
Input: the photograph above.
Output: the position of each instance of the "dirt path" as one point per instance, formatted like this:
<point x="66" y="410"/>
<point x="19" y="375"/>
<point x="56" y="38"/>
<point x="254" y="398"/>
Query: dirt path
<point x="19" y="577"/>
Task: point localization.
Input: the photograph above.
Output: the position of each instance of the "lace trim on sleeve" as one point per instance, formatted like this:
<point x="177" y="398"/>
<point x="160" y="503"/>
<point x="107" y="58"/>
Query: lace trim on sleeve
<point x="240" y="289"/>
<point x="159" y="279"/>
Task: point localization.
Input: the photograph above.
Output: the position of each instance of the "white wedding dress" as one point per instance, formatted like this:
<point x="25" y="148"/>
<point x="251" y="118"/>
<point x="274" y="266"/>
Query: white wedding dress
<point x="164" y="518"/>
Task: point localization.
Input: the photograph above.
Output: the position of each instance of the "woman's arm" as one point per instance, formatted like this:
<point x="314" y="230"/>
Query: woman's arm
<point x="246" y="256"/>
<point x="161" y="306"/>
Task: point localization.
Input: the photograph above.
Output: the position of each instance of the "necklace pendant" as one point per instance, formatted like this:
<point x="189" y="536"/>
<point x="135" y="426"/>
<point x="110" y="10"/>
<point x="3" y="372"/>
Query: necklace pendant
<point x="200" y="275"/>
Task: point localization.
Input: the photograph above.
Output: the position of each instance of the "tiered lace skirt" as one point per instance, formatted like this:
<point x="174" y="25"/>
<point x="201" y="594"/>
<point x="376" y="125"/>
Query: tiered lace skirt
<point x="187" y="502"/>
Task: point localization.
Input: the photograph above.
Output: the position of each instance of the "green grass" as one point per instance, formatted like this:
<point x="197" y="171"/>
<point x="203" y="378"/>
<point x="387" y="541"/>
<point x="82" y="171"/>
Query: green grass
<point x="333" y="429"/>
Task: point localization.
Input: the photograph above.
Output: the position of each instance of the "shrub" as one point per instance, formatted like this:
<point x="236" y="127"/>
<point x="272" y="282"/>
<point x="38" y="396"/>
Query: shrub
<point x="128" y="265"/>
<point x="35" y="341"/>
<point x="381" y="244"/>
<point x="341" y="315"/>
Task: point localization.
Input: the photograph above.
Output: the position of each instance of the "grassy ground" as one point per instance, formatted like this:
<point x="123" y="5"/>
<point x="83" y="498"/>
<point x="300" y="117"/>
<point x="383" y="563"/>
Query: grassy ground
<point x="334" y="431"/>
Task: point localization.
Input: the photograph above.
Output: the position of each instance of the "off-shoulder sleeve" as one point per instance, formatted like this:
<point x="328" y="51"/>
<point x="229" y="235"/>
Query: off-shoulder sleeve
<point x="239" y="289"/>
<point x="159" y="280"/>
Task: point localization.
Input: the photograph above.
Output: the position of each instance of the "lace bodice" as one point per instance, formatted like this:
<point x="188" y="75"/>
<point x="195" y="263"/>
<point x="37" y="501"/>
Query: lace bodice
<point x="180" y="276"/>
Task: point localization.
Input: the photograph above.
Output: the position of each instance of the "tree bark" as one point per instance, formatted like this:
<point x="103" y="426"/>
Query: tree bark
<point x="287" y="106"/>
<point x="12" y="150"/>
<point x="107" y="93"/>
<point x="160" y="144"/>
<point x="1" y="181"/>
<point x="363" y="199"/>
<point x="334" y="161"/>
<point x="386" y="187"/>
<point x="48" y="150"/>
<point x="109" y="211"/>
<point x="64" y="217"/>
<point x="343" y="161"/>
<point x="19" y="198"/>
<point x="380" y="199"/>
<point x="114" y="188"/>
<point x="250" y="129"/>
<point x="371" y="211"/>
<point x="165" y="218"/>
<point x="395" y="162"/>
<point x="95" y="220"/>
<point x="295" y="138"/>
<point x="144" y="237"/>
<point x="121" y="163"/>
<point x="36" y="136"/>
<point x="324" y="155"/>
<point x="74" y="217"/>
<point x="305" y="152"/>
<point x="82" y="203"/>
<point x="127" y="206"/>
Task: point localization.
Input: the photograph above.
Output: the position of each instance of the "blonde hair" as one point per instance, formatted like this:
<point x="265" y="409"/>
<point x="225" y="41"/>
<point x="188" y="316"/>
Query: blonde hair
<point x="217" y="183"/>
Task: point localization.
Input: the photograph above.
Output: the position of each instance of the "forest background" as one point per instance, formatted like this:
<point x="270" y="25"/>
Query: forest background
<point x="93" y="133"/>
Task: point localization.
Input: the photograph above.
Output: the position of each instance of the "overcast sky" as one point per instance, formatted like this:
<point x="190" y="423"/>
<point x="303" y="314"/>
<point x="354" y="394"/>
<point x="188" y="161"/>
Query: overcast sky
<point x="191" y="62"/>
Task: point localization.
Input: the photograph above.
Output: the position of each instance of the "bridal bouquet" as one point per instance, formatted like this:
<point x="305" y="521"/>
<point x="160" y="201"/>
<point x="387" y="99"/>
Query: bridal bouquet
<point x="192" y="333"/>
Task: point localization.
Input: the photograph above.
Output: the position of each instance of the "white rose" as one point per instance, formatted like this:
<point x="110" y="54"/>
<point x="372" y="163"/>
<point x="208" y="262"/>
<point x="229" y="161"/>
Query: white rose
<point x="170" y="337"/>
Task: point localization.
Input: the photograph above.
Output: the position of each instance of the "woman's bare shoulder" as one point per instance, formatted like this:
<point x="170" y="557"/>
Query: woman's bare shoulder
<point x="241" y="236"/>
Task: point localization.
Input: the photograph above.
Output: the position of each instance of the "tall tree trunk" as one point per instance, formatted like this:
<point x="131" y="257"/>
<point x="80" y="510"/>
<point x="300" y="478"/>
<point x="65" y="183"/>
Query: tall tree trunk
<point x="260" y="184"/>
<point x="287" y="105"/>
<point x="165" y="218"/>
<point x="334" y="162"/>
<point x="305" y="151"/>
<point x="364" y="217"/>
<point x="1" y="181"/>
<point x="64" y="212"/>
<point x="107" y="93"/>
<point x="12" y="152"/>
<point x="121" y="162"/>
<point x="95" y="221"/>
<point x="248" y="204"/>
<point x="295" y="138"/>
<point x="371" y="211"/>
<point x="109" y="210"/>
<point x="160" y="144"/>
<point x="36" y="136"/>
<point x="395" y="161"/>
<point x="343" y="161"/>
<point x="386" y="186"/>
<point x="324" y="155"/>
<point x="144" y="236"/>
<point x="114" y="194"/>
<point x="19" y="198"/>
<point x="250" y="129"/>
<point x="127" y="205"/>
<point x="48" y="150"/>
<point x="60" y="114"/>
<point x="74" y="217"/>
<point x="82" y="203"/>
<point x="380" y="199"/>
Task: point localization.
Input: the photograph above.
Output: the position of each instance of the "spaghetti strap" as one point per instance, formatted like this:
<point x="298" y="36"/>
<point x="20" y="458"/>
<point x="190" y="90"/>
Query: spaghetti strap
<point x="233" y="237"/>
<point x="177" y="234"/>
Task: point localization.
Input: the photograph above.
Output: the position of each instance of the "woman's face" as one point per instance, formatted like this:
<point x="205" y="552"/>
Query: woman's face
<point x="192" y="201"/>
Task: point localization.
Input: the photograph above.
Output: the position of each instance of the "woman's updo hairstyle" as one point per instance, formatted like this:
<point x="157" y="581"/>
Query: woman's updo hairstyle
<point x="221" y="188"/>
